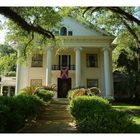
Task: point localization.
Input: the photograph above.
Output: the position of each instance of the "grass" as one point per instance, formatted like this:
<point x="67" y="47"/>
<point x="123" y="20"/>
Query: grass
<point x="126" y="107"/>
<point x="135" y="116"/>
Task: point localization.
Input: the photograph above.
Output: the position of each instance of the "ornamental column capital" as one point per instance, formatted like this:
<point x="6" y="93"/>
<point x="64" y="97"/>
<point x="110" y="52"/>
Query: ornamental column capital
<point x="78" y="48"/>
<point x="107" y="48"/>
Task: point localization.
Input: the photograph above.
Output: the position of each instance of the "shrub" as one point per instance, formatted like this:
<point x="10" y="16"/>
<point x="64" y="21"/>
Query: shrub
<point x="11" y="74"/>
<point x="76" y="92"/>
<point x="4" y="110"/>
<point x="29" y="105"/>
<point x="14" y="111"/>
<point x="30" y="90"/>
<point x="83" y="106"/>
<point x="46" y="95"/>
<point x="95" y="114"/>
<point x="93" y="91"/>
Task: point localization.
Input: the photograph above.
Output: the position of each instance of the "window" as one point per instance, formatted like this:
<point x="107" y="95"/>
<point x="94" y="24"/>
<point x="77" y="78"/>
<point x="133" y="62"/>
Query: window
<point x="63" y="31"/>
<point x="92" y="83"/>
<point x="37" y="60"/>
<point x="65" y="60"/>
<point x="36" y="82"/>
<point x="92" y="60"/>
<point x="70" y="33"/>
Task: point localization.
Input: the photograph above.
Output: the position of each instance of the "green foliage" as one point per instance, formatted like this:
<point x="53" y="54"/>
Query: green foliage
<point x="89" y="105"/>
<point x="8" y="59"/>
<point x="130" y="62"/>
<point x="46" y="95"/>
<point x="93" y="91"/>
<point x="29" y="90"/>
<point x="44" y="17"/>
<point x="106" y="122"/>
<point x="41" y="92"/>
<point x="95" y="114"/>
<point x="14" y="111"/>
<point x="4" y="110"/>
<point x="75" y="92"/>
<point x="11" y="74"/>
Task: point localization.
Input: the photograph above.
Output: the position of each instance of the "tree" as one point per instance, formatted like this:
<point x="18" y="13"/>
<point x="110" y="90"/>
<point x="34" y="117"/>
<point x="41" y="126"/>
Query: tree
<point x="13" y="13"/>
<point x="33" y="28"/>
<point x="8" y="58"/>
<point x="129" y="62"/>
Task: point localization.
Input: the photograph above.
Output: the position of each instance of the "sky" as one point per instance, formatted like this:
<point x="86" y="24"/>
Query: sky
<point x="2" y="32"/>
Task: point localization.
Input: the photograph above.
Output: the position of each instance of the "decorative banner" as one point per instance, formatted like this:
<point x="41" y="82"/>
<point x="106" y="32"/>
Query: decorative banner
<point x="64" y="73"/>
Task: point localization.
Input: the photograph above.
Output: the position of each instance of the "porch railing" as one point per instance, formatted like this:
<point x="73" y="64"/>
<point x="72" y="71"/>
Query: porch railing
<point x="58" y="67"/>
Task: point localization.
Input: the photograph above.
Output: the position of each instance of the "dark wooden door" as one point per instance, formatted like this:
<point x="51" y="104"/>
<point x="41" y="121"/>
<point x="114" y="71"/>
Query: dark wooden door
<point x="64" y="85"/>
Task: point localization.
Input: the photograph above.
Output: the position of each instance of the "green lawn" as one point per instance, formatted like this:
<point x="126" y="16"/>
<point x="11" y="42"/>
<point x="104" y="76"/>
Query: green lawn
<point x="135" y="117"/>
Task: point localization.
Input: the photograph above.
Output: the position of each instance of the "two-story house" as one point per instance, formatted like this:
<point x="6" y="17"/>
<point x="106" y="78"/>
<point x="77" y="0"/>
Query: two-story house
<point x="86" y="57"/>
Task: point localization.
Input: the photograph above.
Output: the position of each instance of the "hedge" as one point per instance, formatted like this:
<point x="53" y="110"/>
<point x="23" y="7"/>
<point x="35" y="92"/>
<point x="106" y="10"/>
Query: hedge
<point x="94" y="114"/>
<point x="46" y="95"/>
<point x="15" y="110"/>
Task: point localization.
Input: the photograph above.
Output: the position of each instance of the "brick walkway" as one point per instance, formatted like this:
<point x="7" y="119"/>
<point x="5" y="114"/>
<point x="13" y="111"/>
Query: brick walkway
<point x="55" y="119"/>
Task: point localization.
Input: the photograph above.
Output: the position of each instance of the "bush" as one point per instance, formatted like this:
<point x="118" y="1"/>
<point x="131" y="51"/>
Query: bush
<point x="41" y="92"/>
<point x="14" y="111"/>
<point x="11" y="74"/>
<point x="93" y="91"/>
<point x="4" y="110"/>
<point x="83" y="106"/>
<point x="46" y="95"/>
<point x="52" y="87"/>
<point x="95" y="114"/>
<point x="30" y="90"/>
<point x="75" y="92"/>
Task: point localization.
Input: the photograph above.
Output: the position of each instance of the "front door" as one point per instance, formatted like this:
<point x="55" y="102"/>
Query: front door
<point x="64" y="85"/>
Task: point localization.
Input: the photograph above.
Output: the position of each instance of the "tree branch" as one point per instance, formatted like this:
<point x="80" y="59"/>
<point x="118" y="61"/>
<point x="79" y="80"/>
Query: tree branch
<point x="131" y="31"/>
<point x="116" y="10"/>
<point x="9" y="13"/>
<point x="124" y="14"/>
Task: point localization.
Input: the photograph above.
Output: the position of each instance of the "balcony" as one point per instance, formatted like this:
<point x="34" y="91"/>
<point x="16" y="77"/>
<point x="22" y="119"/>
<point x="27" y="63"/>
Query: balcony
<point x="58" y="67"/>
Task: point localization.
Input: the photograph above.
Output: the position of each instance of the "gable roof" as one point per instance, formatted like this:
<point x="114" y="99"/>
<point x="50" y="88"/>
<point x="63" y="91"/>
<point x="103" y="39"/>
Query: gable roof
<point x="83" y="28"/>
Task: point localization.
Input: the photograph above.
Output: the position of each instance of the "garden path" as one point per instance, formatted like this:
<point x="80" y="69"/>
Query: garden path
<point x="55" y="119"/>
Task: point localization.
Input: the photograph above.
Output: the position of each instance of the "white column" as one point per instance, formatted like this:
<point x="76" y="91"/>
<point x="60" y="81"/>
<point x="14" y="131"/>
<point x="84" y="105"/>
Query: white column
<point x="107" y="73"/>
<point x="17" y="76"/>
<point x="8" y="91"/>
<point x="21" y="76"/>
<point x="1" y="90"/>
<point x="78" y="67"/>
<point x="48" y="66"/>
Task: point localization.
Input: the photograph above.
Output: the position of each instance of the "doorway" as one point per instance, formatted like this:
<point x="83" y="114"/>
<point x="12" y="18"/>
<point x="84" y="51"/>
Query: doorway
<point x="64" y="85"/>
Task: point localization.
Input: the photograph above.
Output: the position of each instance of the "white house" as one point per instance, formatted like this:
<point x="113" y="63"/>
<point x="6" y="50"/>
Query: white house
<point x="87" y="57"/>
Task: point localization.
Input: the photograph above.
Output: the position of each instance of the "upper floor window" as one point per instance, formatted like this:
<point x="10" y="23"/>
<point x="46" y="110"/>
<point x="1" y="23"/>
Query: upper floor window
<point x="37" y="60"/>
<point x="92" y="60"/>
<point x="63" y="31"/>
<point x="70" y="33"/>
